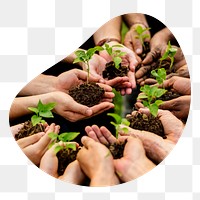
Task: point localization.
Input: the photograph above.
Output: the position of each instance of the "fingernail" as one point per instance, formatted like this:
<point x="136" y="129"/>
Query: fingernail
<point x="138" y="51"/>
<point x="88" y="112"/>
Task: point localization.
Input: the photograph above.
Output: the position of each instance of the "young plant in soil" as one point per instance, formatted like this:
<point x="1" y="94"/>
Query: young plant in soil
<point x="117" y="149"/>
<point x="65" y="154"/>
<point x="114" y="68"/>
<point x="35" y="125"/>
<point x="169" y="53"/>
<point x="150" y="100"/>
<point x="160" y="75"/>
<point x="142" y="36"/>
<point x="88" y="94"/>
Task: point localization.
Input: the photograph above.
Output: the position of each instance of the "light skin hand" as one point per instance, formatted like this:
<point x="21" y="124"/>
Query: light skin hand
<point x="132" y="42"/>
<point x="134" y="162"/>
<point x="155" y="146"/>
<point x="97" y="163"/>
<point x="130" y="59"/>
<point x="49" y="164"/>
<point x="73" y="111"/>
<point x="36" y="145"/>
<point x="72" y="78"/>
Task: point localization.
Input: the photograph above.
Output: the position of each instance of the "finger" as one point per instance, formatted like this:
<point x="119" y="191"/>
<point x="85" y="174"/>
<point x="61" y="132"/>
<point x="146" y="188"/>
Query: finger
<point x="150" y="81"/>
<point x="103" y="106"/>
<point x="128" y="91"/>
<point x="109" y="95"/>
<point x="131" y="76"/>
<point x="167" y="105"/>
<point x="107" y="88"/>
<point x="142" y="71"/>
<point x="83" y="75"/>
<point x="99" y="135"/>
<point x="24" y="142"/>
<point x="137" y="46"/>
<point x="15" y="129"/>
<point x="108" y="135"/>
<point x="91" y="133"/>
<point x="150" y="57"/>
<point x="88" y="142"/>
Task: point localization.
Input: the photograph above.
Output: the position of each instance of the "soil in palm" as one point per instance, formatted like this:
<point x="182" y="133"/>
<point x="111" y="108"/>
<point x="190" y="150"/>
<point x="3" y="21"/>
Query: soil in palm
<point x="149" y="123"/>
<point x="169" y="95"/>
<point x="146" y="49"/>
<point x="117" y="149"/>
<point x="28" y="129"/>
<point x="65" y="157"/>
<point x="112" y="72"/>
<point x="87" y="94"/>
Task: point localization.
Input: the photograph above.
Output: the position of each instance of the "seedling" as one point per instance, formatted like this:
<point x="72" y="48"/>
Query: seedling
<point x="160" y="75"/>
<point x="85" y="56"/>
<point x="169" y="53"/>
<point x="115" y="54"/>
<point x="149" y="96"/>
<point x="141" y="34"/>
<point x="119" y="121"/>
<point x="64" y="137"/>
<point x="41" y="111"/>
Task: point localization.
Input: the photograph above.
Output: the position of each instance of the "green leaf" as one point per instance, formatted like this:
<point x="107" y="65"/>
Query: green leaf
<point x="35" y="110"/>
<point x="117" y="61"/>
<point x="40" y="105"/>
<point x="125" y="122"/>
<point x="139" y="29"/>
<point x="117" y="117"/>
<point x="77" y="60"/>
<point x="58" y="148"/>
<point x="114" y="124"/>
<point x="142" y="96"/>
<point x="71" y="146"/>
<point x="53" y="136"/>
<point x="46" y="114"/>
<point x="117" y="45"/>
<point x="35" y="120"/>
<point x="144" y="36"/>
<point x="145" y="103"/>
<point x="159" y="92"/>
<point x="153" y="109"/>
<point x="68" y="136"/>
<point x="158" y="102"/>
<point x="125" y="130"/>
<point x="49" y="106"/>
<point x="122" y="54"/>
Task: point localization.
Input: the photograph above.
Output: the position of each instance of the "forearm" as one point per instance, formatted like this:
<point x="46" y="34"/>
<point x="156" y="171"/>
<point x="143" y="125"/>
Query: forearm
<point x="40" y="85"/>
<point x="111" y="30"/>
<point x="20" y="105"/>
<point x="135" y="18"/>
<point x="165" y="34"/>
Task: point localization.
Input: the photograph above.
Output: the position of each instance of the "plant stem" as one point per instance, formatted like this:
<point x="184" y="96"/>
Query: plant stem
<point x="88" y="71"/>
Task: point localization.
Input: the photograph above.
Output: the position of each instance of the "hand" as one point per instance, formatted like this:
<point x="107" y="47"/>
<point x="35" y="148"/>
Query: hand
<point x="35" y="146"/>
<point x="134" y="162"/>
<point x="72" y="78"/>
<point x="73" y="111"/>
<point x="97" y="163"/>
<point x="102" y="134"/>
<point x="179" y="106"/>
<point x="132" y="42"/>
<point x="155" y="146"/>
<point x="130" y="59"/>
<point x="49" y="164"/>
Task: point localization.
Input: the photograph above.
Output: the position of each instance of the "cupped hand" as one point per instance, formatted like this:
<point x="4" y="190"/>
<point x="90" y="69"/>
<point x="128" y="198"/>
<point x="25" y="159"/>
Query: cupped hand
<point x="133" y="42"/>
<point x="97" y="163"/>
<point x="36" y="145"/>
<point x="73" y="111"/>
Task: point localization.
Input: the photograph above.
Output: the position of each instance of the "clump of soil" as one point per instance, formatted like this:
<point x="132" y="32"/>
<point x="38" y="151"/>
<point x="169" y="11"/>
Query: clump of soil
<point x="28" y="129"/>
<point x="112" y="72"/>
<point x="65" y="157"/>
<point x="87" y="94"/>
<point x="117" y="149"/>
<point x="149" y="123"/>
<point x="146" y="50"/>
<point x="169" y="95"/>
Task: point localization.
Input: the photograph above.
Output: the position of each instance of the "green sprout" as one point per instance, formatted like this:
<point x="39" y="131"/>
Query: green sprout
<point x="160" y="75"/>
<point x="64" y="137"/>
<point x="115" y="54"/>
<point x="119" y="121"/>
<point x="149" y="96"/>
<point x="41" y="111"/>
<point x="141" y="34"/>
<point x="169" y="53"/>
<point x="85" y="56"/>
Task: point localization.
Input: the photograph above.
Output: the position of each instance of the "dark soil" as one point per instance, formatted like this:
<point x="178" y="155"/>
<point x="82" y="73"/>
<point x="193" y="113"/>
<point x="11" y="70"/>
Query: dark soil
<point x="28" y="129"/>
<point x="169" y="95"/>
<point x="87" y="94"/>
<point x="146" y="50"/>
<point x="112" y="72"/>
<point x="147" y="123"/>
<point x="117" y="149"/>
<point x="65" y="157"/>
